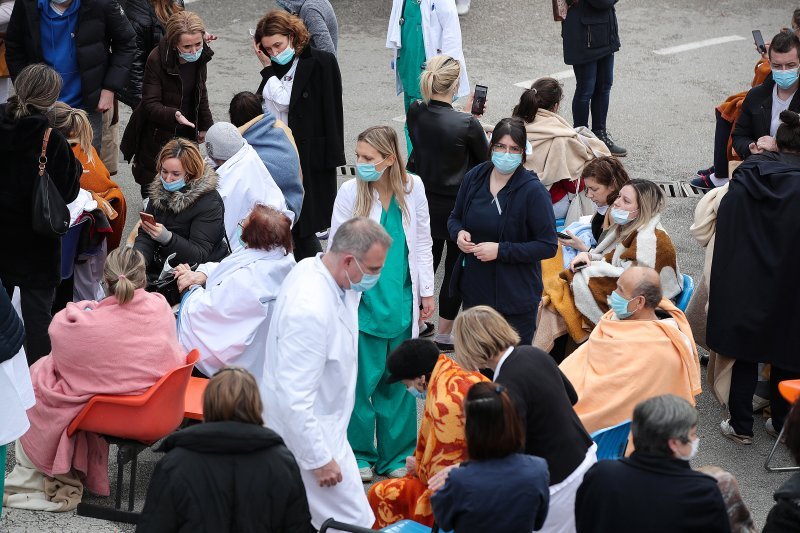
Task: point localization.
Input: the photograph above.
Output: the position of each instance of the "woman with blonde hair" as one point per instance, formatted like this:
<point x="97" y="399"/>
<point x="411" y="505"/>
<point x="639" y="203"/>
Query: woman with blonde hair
<point x="121" y="345"/>
<point x="188" y="213"/>
<point x="389" y="310"/>
<point x="32" y="261"/>
<point x="237" y="471"/>
<point x="544" y="398"/>
<point x="447" y="144"/>
<point x="302" y="87"/>
<point x="174" y="96"/>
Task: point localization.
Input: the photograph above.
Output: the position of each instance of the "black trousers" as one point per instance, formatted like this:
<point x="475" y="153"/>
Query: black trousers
<point x="36" y="306"/>
<point x="721" y="135"/>
<point x="305" y="246"/>
<point x="744" y="378"/>
<point x="448" y="305"/>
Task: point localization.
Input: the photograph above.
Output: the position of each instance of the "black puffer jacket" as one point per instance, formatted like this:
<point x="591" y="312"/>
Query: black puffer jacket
<point x="12" y="332"/>
<point x="29" y="259"/>
<point x="784" y="517"/>
<point x="447" y="143"/>
<point x="104" y="41"/>
<point x="149" y="32"/>
<point x="223" y="477"/>
<point x="194" y="215"/>
<point x="590" y="31"/>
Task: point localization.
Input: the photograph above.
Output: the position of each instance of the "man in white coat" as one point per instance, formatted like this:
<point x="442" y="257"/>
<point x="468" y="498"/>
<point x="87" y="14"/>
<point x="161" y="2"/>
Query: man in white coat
<point x="244" y="181"/>
<point x="309" y="379"/>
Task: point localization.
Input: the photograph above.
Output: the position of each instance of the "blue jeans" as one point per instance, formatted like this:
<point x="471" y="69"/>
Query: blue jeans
<point x="593" y="90"/>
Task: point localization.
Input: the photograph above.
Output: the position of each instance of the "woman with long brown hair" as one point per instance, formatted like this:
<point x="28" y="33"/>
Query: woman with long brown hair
<point x="389" y="312"/>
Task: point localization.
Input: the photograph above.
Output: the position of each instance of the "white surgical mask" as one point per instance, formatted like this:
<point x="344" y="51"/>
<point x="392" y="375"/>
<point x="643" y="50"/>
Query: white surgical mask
<point x="693" y="453"/>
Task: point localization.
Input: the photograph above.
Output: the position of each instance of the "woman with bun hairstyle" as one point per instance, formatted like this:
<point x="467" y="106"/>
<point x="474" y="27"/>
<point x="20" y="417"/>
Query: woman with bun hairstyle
<point x="558" y="152"/>
<point x="301" y="86"/>
<point x="447" y="144"/>
<point x="121" y="345"/>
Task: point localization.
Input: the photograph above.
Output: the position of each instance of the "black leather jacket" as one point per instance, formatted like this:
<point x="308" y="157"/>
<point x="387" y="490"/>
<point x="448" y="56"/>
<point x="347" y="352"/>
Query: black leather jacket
<point x="447" y="143"/>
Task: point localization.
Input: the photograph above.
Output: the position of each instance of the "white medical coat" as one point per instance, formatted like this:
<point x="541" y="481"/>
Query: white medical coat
<point x="16" y="397"/>
<point x="228" y="320"/>
<point x="308" y="386"/>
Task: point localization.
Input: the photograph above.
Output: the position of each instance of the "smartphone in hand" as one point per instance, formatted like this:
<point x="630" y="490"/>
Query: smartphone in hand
<point x="759" y="40"/>
<point x="479" y="99"/>
<point x="562" y="235"/>
<point x="579" y="266"/>
<point x="147" y="217"/>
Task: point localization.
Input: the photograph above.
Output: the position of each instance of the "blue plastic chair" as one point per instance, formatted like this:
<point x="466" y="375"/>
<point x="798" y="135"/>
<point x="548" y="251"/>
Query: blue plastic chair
<point x="69" y="248"/>
<point x="612" y="442"/>
<point x="682" y="299"/>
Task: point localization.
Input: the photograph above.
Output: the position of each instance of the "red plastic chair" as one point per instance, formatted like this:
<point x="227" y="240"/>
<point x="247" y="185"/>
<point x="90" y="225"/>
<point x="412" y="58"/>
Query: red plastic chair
<point x="134" y="423"/>
<point x="194" y="398"/>
<point x="790" y="390"/>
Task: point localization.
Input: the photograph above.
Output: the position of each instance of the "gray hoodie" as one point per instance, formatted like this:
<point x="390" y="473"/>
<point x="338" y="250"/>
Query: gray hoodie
<point x="319" y="18"/>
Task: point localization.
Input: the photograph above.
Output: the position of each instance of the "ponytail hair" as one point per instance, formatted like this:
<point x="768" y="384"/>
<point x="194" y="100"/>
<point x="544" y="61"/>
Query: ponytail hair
<point x="788" y="135"/>
<point x="75" y="125"/>
<point x="440" y="77"/>
<point x="545" y="93"/>
<point x="124" y="272"/>
<point x="36" y="89"/>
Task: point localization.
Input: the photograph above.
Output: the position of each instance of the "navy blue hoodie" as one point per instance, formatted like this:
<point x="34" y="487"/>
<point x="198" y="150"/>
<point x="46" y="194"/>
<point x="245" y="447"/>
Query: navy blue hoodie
<point x="58" y="48"/>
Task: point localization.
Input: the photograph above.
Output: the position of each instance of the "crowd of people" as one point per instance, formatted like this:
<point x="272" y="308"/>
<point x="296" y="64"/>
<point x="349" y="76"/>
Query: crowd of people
<point x="558" y="301"/>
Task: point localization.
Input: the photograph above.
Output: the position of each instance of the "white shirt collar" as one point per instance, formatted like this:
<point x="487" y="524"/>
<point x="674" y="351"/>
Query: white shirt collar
<point x="501" y="361"/>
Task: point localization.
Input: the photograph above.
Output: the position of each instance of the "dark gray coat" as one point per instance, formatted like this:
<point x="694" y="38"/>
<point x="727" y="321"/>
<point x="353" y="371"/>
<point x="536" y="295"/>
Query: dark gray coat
<point x="590" y="31"/>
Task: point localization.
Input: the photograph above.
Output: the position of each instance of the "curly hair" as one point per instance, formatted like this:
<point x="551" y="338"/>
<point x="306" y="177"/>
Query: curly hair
<point x="279" y="22"/>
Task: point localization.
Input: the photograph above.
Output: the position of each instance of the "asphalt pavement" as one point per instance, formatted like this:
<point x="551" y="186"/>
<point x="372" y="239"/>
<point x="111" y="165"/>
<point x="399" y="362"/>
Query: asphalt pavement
<point x="661" y="111"/>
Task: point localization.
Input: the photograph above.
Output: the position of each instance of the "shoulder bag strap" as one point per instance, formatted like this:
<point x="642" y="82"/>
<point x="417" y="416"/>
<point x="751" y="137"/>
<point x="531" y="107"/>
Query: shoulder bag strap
<point x="43" y="156"/>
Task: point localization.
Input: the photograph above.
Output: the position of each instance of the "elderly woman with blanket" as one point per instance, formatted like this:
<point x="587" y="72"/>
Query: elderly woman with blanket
<point x="119" y="346"/>
<point x="576" y="300"/>
<point x="226" y="313"/>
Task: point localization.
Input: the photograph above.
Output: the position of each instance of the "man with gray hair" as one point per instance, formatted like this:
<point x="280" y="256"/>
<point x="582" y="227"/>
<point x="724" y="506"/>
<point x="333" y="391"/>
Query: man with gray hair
<point x="309" y="379"/>
<point x="641" y="348"/>
<point x="655" y="489"/>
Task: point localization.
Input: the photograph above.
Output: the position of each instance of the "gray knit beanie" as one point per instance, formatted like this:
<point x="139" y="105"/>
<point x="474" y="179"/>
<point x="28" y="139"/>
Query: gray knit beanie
<point x="223" y="140"/>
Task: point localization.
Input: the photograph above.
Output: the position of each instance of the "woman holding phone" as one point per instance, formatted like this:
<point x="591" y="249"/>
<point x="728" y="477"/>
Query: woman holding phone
<point x="302" y="87"/>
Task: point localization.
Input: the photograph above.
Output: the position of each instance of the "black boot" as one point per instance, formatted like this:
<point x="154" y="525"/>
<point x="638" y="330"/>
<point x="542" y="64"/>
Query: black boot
<point x="614" y="148"/>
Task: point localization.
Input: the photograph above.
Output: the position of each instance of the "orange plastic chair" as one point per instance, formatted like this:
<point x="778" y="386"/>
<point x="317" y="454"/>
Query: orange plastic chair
<point x="134" y="423"/>
<point x="790" y="390"/>
<point x="194" y="398"/>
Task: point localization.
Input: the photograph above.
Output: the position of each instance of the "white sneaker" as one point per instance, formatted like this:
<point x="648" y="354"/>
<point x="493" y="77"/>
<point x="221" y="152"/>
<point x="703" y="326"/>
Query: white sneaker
<point x="366" y="474"/>
<point x="727" y="431"/>
<point x="397" y="473"/>
<point x="462" y="7"/>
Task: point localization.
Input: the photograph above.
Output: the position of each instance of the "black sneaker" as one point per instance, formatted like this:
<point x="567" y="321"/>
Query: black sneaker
<point x="706" y="171"/>
<point x="445" y="347"/>
<point x="428" y="331"/>
<point x="703" y="183"/>
<point x="615" y="149"/>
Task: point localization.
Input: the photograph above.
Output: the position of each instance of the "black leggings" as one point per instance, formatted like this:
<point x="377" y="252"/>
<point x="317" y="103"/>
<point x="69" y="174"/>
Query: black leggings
<point x="721" y="135"/>
<point x="448" y="305"/>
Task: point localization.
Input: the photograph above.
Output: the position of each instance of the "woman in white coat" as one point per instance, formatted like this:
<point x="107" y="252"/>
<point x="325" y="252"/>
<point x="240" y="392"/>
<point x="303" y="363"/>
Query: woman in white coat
<point x="389" y="309"/>
<point x="418" y="31"/>
<point x="227" y="310"/>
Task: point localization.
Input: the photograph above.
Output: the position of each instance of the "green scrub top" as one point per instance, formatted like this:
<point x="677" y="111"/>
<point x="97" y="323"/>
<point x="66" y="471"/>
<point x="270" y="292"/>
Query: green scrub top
<point x="411" y="55"/>
<point x="386" y="309"/>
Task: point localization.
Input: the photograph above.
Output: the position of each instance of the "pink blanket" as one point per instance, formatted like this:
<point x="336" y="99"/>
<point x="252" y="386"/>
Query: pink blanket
<point x="98" y="348"/>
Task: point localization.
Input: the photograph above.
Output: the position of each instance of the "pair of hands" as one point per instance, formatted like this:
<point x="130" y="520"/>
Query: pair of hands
<point x="485" y="251"/>
<point x="573" y="242"/>
<point x="186" y="277"/>
<point x="763" y="144"/>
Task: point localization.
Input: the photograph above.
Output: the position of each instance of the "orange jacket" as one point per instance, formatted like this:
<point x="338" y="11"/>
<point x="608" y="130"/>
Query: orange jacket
<point x="97" y="180"/>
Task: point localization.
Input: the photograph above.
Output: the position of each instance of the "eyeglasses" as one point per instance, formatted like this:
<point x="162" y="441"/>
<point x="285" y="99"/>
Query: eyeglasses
<point x="507" y="149"/>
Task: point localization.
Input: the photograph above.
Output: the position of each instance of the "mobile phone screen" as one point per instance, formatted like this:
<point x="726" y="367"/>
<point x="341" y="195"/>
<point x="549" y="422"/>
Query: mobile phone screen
<point x="479" y="99"/>
<point x="759" y="40"/>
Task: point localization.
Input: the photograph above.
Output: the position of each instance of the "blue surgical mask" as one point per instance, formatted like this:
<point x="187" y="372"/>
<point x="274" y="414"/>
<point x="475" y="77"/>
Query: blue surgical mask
<point x="619" y="305"/>
<point x="413" y="391"/>
<point x="785" y="78"/>
<point x="368" y="172"/>
<point x="284" y="57"/>
<point x="505" y="162"/>
<point x="238" y="236"/>
<point x="367" y="280"/>
<point x="173" y="186"/>
<point x="191" y="57"/>
<point x="621" y="217"/>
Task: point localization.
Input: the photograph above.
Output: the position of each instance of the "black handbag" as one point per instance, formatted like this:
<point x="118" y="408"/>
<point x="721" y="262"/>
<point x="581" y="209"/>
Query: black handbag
<point x="50" y="215"/>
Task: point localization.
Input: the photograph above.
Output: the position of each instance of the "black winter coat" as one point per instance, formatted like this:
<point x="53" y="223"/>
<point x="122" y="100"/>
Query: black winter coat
<point x="317" y="124"/>
<point x="447" y="143"/>
<point x="527" y="235"/>
<point x="104" y="42"/>
<point x="649" y="493"/>
<point x="756" y="117"/>
<point x="590" y="31"/>
<point x="194" y="215"/>
<point x="220" y="477"/>
<point x="149" y="32"/>
<point x="784" y="517"/>
<point x="153" y="124"/>
<point x="12" y="332"/>
<point x="544" y="398"/>
<point x="752" y="311"/>
<point x="31" y="260"/>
